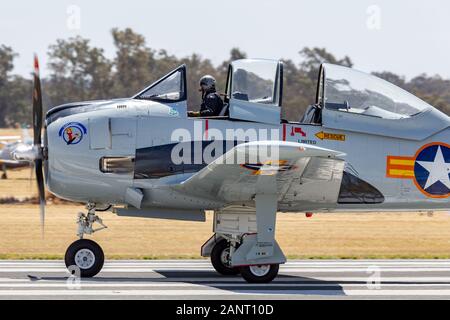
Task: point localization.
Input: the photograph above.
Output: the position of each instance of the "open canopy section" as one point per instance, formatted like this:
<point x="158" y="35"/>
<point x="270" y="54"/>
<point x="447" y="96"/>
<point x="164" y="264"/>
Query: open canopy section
<point x="255" y="81"/>
<point x="349" y="90"/>
<point x="254" y="90"/>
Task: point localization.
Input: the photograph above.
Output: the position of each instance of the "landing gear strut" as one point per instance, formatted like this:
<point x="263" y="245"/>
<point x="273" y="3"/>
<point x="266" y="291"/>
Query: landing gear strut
<point x="86" y="221"/>
<point x="4" y="174"/>
<point x="244" y="241"/>
<point x="84" y="254"/>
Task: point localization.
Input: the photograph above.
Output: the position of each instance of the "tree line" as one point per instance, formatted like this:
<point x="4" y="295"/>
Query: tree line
<point x="80" y="71"/>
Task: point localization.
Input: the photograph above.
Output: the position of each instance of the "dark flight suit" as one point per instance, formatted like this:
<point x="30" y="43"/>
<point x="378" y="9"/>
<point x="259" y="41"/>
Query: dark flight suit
<point x="212" y="104"/>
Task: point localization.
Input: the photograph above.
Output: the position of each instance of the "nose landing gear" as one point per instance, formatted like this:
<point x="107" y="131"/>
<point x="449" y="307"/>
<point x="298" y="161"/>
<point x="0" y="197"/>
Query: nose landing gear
<point x="84" y="254"/>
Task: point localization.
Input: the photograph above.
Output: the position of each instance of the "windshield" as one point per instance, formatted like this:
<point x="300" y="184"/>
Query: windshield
<point x="357" y="92"/>
<point x="170" y="88"/>
<point x="255" y="81"/>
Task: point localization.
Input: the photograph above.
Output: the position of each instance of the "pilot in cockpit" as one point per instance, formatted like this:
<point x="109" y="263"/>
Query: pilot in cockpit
<point x="212" y="104"/>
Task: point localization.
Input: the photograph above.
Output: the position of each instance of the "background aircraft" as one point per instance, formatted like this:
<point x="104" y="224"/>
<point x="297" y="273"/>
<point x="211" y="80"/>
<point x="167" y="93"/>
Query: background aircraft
<point x="10" y="144"/>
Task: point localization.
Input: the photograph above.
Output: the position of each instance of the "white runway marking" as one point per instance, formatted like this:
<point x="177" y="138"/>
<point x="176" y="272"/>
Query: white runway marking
<point x="190" y="285"/>
<point x="217" y="292"/>
<point x="196" y="279"/>
<point x="296" y="270"/>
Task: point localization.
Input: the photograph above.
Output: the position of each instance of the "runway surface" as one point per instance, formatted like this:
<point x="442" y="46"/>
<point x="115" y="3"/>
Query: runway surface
<point x="196" y="279"/>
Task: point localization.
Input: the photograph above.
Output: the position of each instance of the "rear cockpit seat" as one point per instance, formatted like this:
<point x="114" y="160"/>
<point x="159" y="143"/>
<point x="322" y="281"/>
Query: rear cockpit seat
<point x="313" y="115"/>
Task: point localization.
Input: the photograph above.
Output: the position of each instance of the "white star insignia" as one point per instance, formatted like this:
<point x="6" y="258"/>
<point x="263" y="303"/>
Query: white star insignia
<point x="438" y="170"/>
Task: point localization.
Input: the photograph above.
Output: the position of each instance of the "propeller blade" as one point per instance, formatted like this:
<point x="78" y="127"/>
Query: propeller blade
<point x="41" y="191"/>
<point x="37" y="140"/>
<point x="37" y="105"/>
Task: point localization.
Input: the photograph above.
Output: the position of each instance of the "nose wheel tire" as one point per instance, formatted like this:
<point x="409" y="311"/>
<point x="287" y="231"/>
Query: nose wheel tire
<point x="259" y="273"/>
<point x="220" y="259"/>
<point x="87" y="256"/>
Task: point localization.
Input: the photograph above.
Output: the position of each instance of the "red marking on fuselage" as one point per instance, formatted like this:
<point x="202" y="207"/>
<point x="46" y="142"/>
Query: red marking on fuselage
<point x="297" y="130"/>
<point x="206" y="129"/>
<point x="284" y="132"/>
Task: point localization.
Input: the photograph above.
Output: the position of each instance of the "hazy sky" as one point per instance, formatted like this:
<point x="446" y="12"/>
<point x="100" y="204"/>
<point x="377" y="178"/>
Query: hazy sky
<point x="405" y="37"/>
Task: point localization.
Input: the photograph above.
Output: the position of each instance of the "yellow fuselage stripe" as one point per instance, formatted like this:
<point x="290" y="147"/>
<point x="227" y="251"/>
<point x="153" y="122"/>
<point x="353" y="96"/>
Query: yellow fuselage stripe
<point x="400" y="172"/>
<point x="405" y="162"/>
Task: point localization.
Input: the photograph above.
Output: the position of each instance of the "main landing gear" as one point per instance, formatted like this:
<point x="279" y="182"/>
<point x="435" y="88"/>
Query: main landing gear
<point x="220" y="255"/>
<point x="243" y="241"/>
<point x="84" y="255"/>
<point x="221" y="258"/>
<point x="260" y="273"/>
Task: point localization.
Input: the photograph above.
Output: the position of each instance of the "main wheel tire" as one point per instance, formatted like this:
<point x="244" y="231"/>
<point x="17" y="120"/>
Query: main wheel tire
<point x="260" y="274"/>
<point x="220" y="256"/>
<point x="87" y="256"/>
<point x="4" y="176"/>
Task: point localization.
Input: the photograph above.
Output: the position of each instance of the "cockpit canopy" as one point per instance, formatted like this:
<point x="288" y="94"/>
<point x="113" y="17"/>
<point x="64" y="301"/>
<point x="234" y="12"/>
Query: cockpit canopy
<point x="255" y="81"/>
<point x="170" y="88"/>
<point x="349" y="90"/>
<point x="254" y="91"/>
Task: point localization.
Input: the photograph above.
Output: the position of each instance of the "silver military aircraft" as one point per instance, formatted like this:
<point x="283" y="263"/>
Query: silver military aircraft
<point x="363" y="145"/>
<point x="10" y="144"/>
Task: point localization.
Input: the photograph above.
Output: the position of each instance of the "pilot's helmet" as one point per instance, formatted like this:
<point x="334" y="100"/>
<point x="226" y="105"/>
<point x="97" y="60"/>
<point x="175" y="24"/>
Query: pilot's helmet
<point x="207" y="82"/>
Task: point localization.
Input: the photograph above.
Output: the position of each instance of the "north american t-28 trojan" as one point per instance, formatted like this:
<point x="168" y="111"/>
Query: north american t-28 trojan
<point x="363" y="145"/>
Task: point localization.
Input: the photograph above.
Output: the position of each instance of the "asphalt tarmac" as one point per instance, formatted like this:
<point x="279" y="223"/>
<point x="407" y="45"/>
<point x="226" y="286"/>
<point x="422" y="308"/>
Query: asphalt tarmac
<point x="196" y="279"/>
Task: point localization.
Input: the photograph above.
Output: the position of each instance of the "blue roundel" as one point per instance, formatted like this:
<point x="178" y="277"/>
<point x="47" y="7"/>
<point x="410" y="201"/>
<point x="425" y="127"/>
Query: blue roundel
<point x="432" y="170"/>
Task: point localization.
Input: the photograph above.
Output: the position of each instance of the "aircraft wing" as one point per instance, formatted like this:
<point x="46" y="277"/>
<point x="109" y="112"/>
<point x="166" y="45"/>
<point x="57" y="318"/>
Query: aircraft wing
<point x="9" y="138"/>
<point x="239" y="173"/>
<point x="9" y="161"/>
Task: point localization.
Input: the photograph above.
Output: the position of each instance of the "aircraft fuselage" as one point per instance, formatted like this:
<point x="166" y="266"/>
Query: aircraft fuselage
<point x="382" y="172"/>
